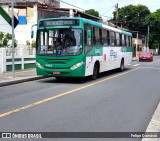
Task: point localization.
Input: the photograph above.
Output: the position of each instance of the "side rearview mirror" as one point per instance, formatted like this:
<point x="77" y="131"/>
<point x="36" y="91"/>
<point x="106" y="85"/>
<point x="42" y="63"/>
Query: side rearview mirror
<point x="32" y="31"/>
<point x="32" y="34"/>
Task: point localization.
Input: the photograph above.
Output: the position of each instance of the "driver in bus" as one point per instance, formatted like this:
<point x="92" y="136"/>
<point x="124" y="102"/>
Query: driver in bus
<point x="69" y="40"/>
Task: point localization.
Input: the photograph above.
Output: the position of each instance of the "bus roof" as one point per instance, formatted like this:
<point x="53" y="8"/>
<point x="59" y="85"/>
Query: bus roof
<point x="95" y="23"/>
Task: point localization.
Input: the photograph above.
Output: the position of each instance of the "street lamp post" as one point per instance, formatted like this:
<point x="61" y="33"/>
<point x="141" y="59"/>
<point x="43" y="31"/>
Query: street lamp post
<point x="13" y="69"/>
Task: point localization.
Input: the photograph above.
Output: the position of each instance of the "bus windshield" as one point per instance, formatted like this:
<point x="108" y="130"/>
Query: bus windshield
<point x="60" y="41"/>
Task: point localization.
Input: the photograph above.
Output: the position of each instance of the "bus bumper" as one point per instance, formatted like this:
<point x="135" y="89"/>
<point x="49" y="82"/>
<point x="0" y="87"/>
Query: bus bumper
<point x="78" y="72"/>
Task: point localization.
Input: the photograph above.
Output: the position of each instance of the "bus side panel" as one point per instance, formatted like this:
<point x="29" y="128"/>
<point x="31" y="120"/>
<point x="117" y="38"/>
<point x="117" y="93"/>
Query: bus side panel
<point x="90" y="61"/>
<point x="109" y="59"/>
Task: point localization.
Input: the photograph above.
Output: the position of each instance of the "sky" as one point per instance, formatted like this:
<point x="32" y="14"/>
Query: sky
<point x="106" y="7"/>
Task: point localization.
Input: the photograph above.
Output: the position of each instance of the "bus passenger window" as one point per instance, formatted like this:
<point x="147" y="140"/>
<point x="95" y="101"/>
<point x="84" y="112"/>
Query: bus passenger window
<point x="117" y="39"/>
<point x="88" y="41"/>
<point x="123" y="40"/>
<point x="100" y="37"/>
<point x="97" y="36"/>
<point x="112" y="38"/>
<point x="108" y="38"/>
<point x="120" y="39"/>
<point x="127" y="41"/>
<point x="94" y="37"/>
<point x="104" y="37"/>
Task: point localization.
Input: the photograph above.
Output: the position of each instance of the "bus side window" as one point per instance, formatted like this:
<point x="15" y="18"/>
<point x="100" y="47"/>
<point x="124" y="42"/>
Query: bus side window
<point x="94" y="37"/>
<point x="97" y="36"/>
<point x="123" y="40"/>
<point x="100" y="37"/>
<point x="112" y="38"/>
<point x="120" y="39"/>
<point x="125" y="43"/>
<point x="129" y="41"/>
<point x="117" y="39"/>
<point x="88" y="42"/>
<point x="104" y="37"/>
<point x="108" y="38"/>
<point x="85" y="37"/>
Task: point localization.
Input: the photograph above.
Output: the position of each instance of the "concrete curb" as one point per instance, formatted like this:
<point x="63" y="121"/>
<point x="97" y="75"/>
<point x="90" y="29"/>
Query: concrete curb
<point x="21" y="80"/>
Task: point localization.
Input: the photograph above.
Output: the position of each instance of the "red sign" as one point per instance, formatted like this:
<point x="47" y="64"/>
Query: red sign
<point x="104" y="57"/>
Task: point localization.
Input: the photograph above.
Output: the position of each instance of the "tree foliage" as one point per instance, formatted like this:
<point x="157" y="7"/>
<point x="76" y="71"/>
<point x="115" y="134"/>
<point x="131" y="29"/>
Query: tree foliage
<point x="5" y="38"/>
<point x="31" y="44"/>
<point x="133" y="17"/>
<point x="153" y="20"/>
<point x="92" y="12"/>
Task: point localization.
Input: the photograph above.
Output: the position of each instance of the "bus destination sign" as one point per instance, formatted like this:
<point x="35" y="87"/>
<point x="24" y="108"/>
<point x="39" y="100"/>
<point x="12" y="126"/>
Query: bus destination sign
<point x="65" y="22"/>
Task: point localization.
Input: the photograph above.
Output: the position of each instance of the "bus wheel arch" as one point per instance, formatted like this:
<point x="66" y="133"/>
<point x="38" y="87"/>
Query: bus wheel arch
<point x="121" y="68"/>
<point x="96" y="70"/>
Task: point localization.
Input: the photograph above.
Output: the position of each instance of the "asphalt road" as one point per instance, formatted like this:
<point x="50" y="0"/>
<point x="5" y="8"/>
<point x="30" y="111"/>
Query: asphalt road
<point x="115" y="102"/>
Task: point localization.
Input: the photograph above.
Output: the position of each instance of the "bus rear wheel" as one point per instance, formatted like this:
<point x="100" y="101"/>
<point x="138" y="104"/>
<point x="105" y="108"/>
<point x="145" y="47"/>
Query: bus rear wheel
<point x="95" y="72"/>
<point x="122" y="65"/>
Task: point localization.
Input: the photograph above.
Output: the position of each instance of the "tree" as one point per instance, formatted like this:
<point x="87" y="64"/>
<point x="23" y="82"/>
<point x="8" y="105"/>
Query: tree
<point x="31" y="44"/>
<point x="92" y="12"/>
<point x="153" y="20"/>
<point x="5" y="38"/>
<point x="133" y="17"/>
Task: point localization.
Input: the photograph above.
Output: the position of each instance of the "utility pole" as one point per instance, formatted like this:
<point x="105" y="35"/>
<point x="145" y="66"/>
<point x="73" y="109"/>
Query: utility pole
<point x="116" y="8"/>
<point x="13" y="69"/>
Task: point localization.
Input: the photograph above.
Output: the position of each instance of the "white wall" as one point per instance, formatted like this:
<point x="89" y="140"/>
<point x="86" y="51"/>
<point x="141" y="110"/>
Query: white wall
<point x="4" y="26"/>
<point x="23" y="33"/>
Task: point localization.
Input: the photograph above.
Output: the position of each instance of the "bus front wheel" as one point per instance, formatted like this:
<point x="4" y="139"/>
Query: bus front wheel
<point x="95" y="72"/>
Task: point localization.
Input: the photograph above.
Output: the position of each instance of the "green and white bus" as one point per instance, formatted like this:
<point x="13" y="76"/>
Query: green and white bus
<point x="79" y="47"/>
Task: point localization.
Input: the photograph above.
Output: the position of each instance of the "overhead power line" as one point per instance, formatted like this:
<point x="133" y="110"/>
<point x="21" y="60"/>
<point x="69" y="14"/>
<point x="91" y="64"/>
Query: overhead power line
<point x="71" y="5"/>
<point x="107" y="10"/>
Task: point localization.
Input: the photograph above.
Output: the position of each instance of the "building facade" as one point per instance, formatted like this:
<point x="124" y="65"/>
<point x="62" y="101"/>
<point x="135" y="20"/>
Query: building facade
<point x="27" y="14"/>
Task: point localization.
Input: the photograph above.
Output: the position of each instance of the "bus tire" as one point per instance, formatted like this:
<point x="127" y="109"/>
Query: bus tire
<point x="95" y="72"/>
<point x="122" y="66"/>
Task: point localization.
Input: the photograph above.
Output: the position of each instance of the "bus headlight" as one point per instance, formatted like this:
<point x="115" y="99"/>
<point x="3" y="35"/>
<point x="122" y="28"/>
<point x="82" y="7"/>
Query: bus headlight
<point x="39" y="65"/>
<point x="77" y="65"/>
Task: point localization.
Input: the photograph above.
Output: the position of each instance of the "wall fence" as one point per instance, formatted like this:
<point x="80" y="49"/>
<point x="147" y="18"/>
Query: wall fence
<point x="24" y="58"/>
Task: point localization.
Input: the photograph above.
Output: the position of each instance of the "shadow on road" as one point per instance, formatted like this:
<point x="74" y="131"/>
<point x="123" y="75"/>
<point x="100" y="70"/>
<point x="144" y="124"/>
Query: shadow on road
<point x="77" y="80"/>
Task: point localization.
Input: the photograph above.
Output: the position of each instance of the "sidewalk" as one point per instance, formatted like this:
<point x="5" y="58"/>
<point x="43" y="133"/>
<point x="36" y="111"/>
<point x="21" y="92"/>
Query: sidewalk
<point x="20" y="76"/>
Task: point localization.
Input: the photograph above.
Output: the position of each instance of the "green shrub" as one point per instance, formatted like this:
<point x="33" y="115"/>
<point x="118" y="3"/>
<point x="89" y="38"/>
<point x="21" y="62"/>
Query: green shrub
<point x="5" y="38"/>
<point x="31" y="44"/>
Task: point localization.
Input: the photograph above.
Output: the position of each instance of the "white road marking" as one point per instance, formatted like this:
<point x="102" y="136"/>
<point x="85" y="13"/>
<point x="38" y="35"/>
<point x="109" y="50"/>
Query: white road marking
<point x="136" y="65"/>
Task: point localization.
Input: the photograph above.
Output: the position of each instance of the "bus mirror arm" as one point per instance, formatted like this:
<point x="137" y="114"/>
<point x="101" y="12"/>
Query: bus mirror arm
<point x="32" y="31"/>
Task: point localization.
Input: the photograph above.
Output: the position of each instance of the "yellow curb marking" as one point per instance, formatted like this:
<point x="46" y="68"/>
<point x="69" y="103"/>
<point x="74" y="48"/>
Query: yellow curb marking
<point x="59" y="95"/>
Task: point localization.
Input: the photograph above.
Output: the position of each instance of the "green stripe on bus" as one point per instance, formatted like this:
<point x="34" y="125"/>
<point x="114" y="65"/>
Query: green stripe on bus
<point x="126" y="49"/>
<point x="96" y="51"/>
